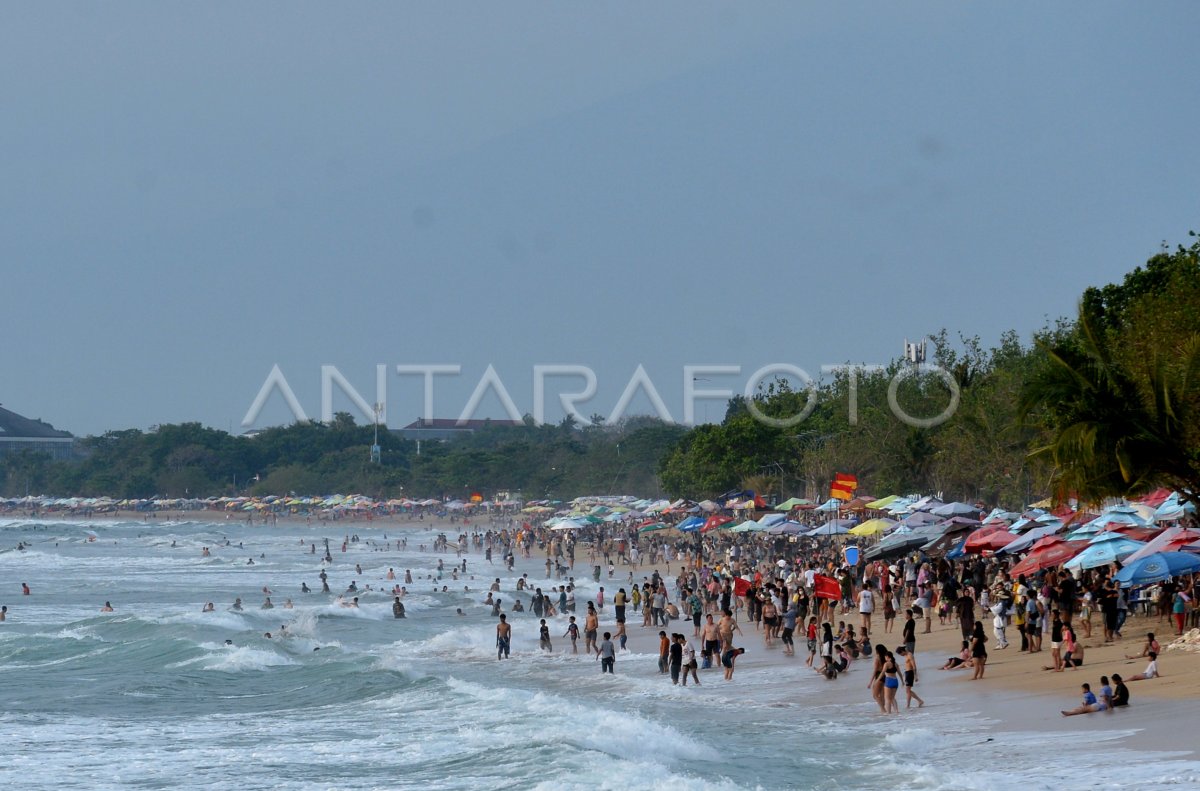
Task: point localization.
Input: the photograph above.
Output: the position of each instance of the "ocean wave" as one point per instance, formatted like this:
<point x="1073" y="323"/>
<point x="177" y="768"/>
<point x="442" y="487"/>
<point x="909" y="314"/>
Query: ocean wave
<point x="235" y="659"/>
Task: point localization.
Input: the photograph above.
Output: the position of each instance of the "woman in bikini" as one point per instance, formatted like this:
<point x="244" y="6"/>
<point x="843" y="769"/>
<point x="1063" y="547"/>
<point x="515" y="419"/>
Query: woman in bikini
<point x="891" y="683"/>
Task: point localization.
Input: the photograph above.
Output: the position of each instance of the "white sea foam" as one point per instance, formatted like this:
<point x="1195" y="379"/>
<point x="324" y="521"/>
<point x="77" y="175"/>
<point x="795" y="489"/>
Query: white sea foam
<point x="235" y="659"/>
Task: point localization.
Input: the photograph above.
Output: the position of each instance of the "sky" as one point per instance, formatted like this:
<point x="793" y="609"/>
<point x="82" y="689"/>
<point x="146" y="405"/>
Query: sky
<point x="194" y="193"/>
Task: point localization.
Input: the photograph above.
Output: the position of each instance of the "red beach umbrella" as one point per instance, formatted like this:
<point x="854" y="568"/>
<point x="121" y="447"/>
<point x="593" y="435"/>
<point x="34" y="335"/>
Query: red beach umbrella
<point x="714" y="521"/>
<point x="988" y="539"/>
<point x="1048" y="558"/>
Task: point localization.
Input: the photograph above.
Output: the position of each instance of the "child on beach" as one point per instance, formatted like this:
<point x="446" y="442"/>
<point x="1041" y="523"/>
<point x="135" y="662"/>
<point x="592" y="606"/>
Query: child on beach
<point x="728" y="659"/>
<point x="607" y="654"/>
<point x="1151" y="670"/>
<point x="811" y="636"/>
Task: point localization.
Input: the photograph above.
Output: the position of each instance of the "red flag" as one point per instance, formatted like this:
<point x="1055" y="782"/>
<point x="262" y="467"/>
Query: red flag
<point x="740" y="586"/>
<point x="826" y="588"/>
<point x="839" y="492"/>
<point x="846" y="479"/>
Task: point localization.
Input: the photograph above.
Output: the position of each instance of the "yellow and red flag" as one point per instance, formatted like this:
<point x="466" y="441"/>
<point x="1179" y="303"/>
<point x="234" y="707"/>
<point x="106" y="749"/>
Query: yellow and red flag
<point x="843" y="486"/>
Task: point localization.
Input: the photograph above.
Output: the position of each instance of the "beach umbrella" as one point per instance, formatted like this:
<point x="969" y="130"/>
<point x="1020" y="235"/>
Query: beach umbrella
<point x="927" y="503"/>
<point x="1000" y="513"/>
<point x="834" y="527"/>
<point x="883" y="502"/>
<point x="1031" y="539"/>
<point x="918" y="519"/>
<point x="895" y="545"/>
<point x="955" y="509"/>
<point x="1111" y="548"/>
<point x="1170" y="540"/>
<point x="791" y="503"/>
<point x="873" y="527"/>
<point x="1171" y="508"/>
<point x="1129" y="531"/>
<point x="650" y="528"/>
<point x="1122" y="515"/>
<point x="1047" y="541"/>
<point x="1158" y="567"/>
<point x="715" y="521"/>
<point x="1048" y="557"/>
<point x="749" y="526"/>
<point x="771" y="519"/>
<point x="987" y="539"/>
<point x="786" y="529"/>
<point x="691" y="524"/>
<point x="1157" y="497"/>
<point x="1027" y="520"/>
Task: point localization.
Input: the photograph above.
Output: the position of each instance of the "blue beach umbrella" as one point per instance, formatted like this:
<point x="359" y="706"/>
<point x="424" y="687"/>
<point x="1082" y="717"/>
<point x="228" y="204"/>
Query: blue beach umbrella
<point x="1108" y="548"/>
<point x="691" y="524"/>
<point x="1158" y="567"/>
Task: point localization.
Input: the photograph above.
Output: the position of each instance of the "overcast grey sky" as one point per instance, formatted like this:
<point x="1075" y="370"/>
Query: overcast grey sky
<point x="193" y="193"/>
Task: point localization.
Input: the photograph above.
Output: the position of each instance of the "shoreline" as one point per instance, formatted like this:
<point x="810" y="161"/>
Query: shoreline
<point x="1015" y="694"/>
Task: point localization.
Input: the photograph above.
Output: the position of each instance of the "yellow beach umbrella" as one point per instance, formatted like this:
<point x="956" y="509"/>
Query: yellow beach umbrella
<point x="871" y="527"/>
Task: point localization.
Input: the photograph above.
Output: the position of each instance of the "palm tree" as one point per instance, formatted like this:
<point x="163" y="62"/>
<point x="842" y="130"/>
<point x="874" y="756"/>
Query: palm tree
<point x="1115" y="432"/>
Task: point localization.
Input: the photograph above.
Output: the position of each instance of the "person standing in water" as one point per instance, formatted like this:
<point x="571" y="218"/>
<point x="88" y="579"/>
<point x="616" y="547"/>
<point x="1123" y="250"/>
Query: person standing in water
<point x="910" y="677"/>
<point x="503" y="637"/>
<point x="607" y="654"/>
<point x="544" y="637"/>
<point x="573" y="633"/>
<point x="591" y="626"/>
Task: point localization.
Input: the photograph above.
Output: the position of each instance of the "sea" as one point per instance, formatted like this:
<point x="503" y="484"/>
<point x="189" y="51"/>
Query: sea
<point x="160" y="695"/>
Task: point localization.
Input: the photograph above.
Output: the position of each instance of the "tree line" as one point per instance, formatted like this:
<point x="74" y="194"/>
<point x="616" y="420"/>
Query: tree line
<point x="309" y="457"/>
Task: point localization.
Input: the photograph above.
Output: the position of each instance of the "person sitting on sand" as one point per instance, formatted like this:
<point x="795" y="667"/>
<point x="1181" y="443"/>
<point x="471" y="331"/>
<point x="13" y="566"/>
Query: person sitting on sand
<point x="1151" y="670"/>
<point x="1150" y="646"/>
<point x="1120" y="692"/>
<point x="1072" y="658"/>
<point x="1090" y="703"/>
<point x="962" y="660"/>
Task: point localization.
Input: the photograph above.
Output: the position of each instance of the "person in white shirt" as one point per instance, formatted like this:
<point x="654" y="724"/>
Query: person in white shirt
<point x="689" y="663"/>
<point x="866" y="606"/>
<point x="1151" y="670"/>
